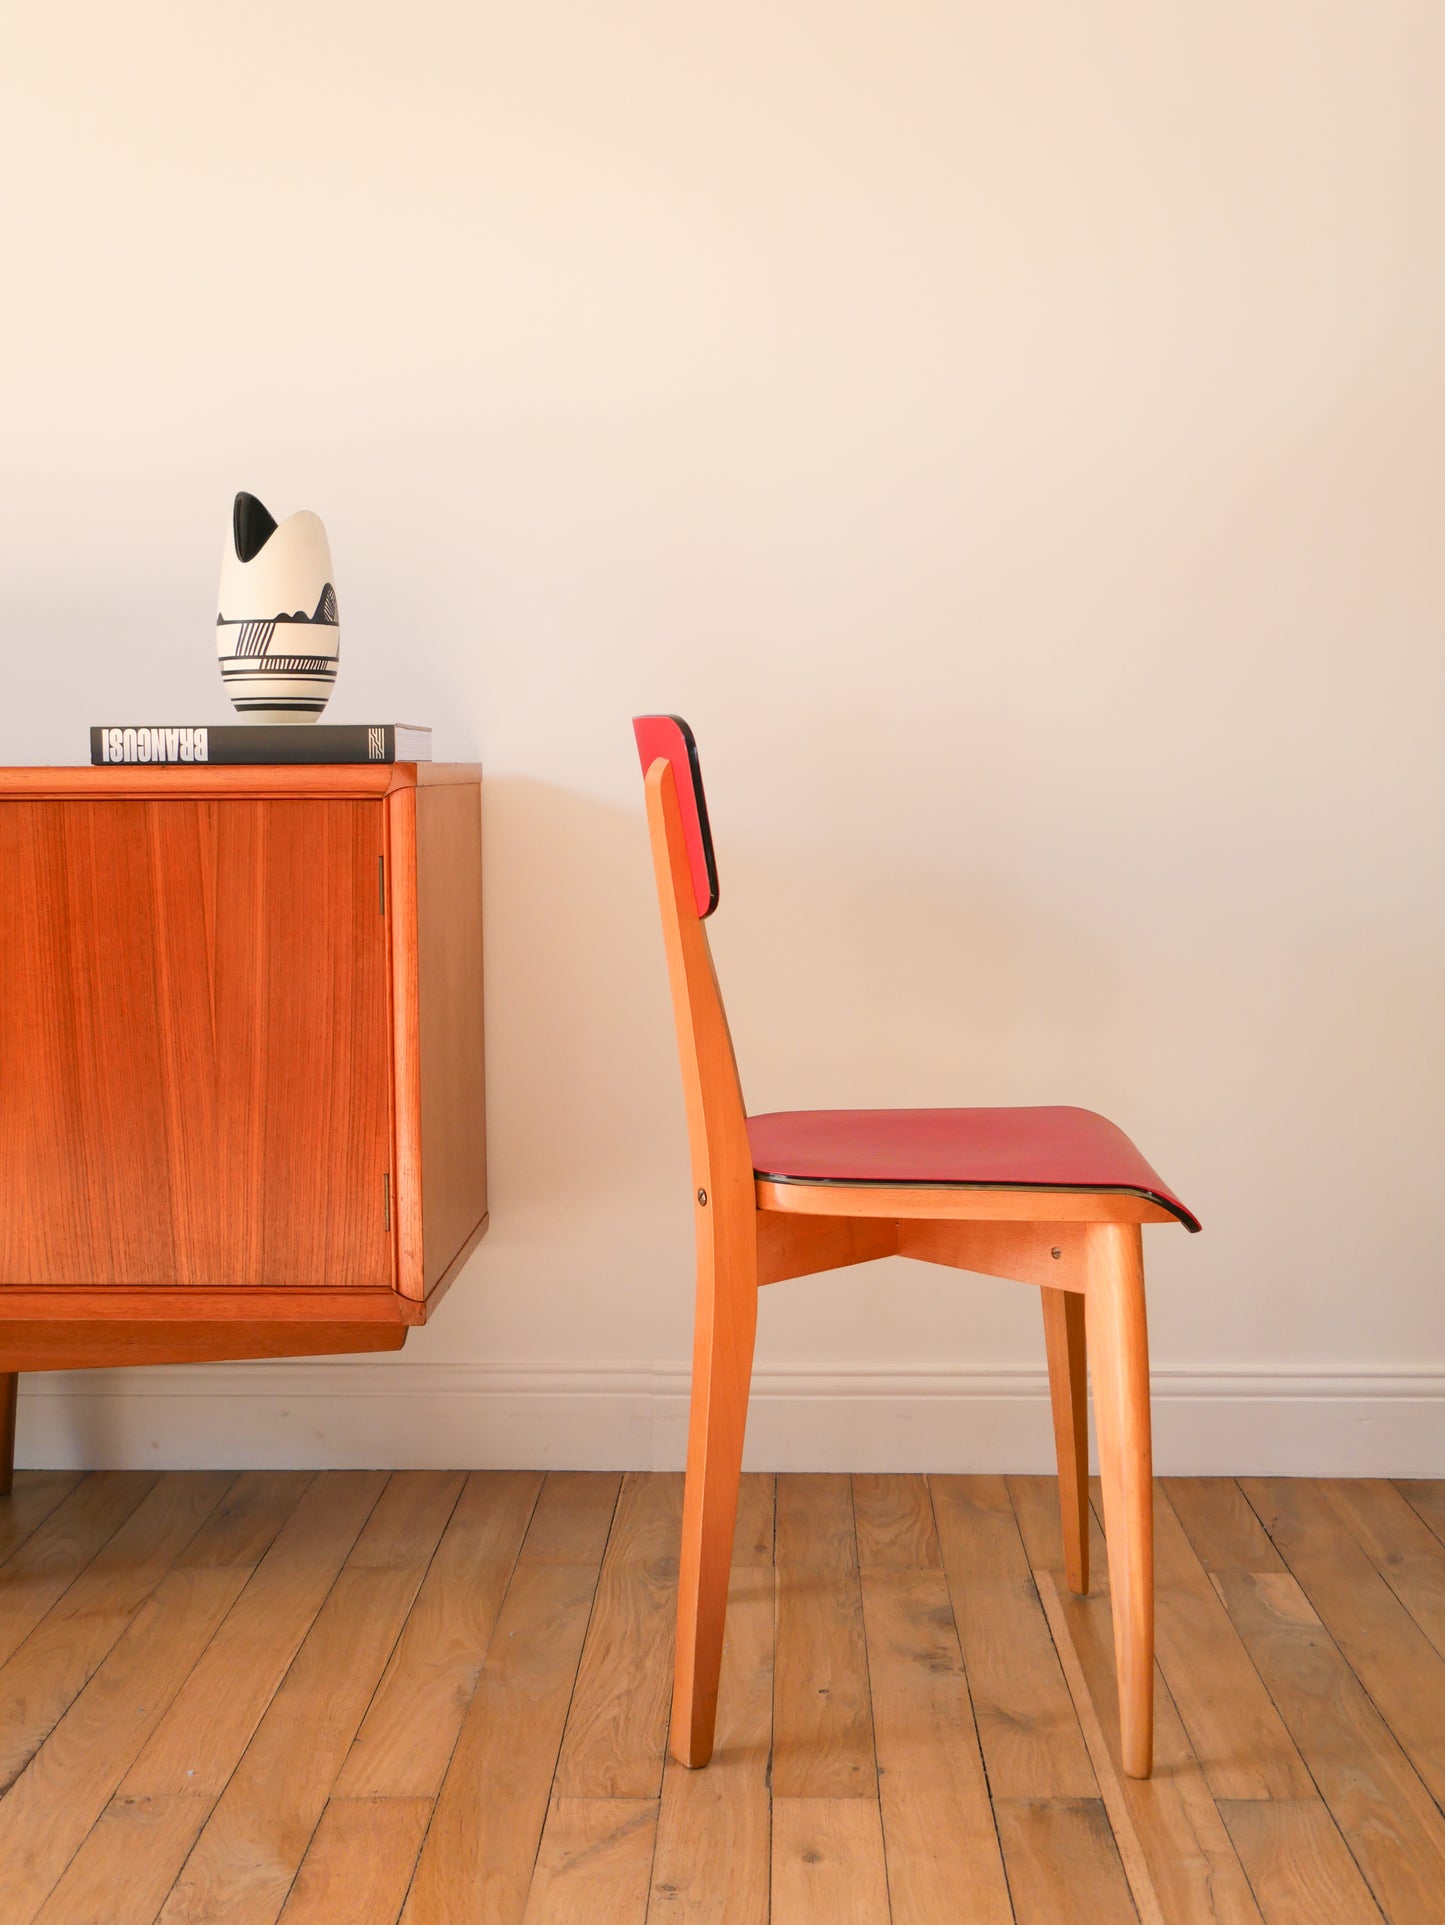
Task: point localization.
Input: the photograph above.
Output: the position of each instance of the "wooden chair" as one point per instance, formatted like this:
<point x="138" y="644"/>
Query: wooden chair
<point x="1053" y="1197"/>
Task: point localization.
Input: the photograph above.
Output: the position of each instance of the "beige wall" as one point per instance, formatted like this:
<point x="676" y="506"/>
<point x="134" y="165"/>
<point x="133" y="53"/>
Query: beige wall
<point x="1014" y="436"/>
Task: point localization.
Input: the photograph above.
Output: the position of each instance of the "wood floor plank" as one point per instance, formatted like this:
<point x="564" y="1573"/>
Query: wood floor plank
<point x="941" y="1848"/>
<point x="130" y="1859"/>
<point x="1381" y="1642"/>
<point x="257" y="1834"/>
<point x="242" y="1695"/>
<point x="359" y="1863"/>
<point x="617" y="1727"/>
<point x="51" y="1667"/>
<point x="595" y="1862"/>
<point x="822" y="1724"/>
<point x="1063" y="1865"/>
<point x="35" y="1495"/>
<point x="1391" y="1824"/>
<point x="711" y="1863"/>
<point x="893" y="1514"/>
<point x="1177" y="1854"/>
<point x="828" y="1861"/>
<point x="571" y="1522"/>
<point x="408" y="1734"/>
<point x="1026" y="1720"/>
<point x="1400" y="1545"/>
<point x="1298" y="1865"/>
<point x="476" y="1864"/>
<point x="1426" y="1497"/>
<point x="1234" y="1729"/>
<point x="48" y="1811"/>
<point x="52" y="1556"/>
<point x="1036" y="1506"/>
<point x="753" y="1537"/>
<point x="199" y="1742"/>
<point x="1219" y="1523"/>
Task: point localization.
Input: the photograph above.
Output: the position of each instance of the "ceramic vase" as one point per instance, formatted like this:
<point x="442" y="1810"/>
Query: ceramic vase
<point x="277" y="632"/>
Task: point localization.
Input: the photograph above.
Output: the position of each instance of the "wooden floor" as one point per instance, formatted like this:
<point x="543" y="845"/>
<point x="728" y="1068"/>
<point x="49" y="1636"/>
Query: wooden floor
<point x="441" y="1697"/>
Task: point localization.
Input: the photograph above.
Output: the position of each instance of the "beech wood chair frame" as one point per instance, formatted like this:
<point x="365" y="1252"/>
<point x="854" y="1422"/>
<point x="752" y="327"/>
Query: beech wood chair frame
<point x="1083" y="1249"/>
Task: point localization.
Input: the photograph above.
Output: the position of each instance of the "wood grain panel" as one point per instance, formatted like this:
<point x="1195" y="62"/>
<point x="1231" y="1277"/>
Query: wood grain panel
<point x="942" y="1849"/>
<point x="1063" y="1865"/>
<point x="1217" y="1519"/>
<point x="1426" y="1497"/>
<point x="1299" y="1866"/>
<point x="35" y="1495"/>
<point x="828" y="1861"/>
<point x="50" y="1808"/>
<point x="452" y="1055"/>
<point x="477" y="1862"/>
<point x="1399" y="1543"/>
<point x="197" y="1745"/>
<point x="358" y="1865"/>
<point x="615" y="1739"/>
<point x="193" y="1043"/>
<point x="1383" y="1645"/>
<point x="1026" y="1720"/>
<point x="128" y="1863"/>
<point x="714" y="1832"/>
<point x="1234" y="1729"/>
<point x="1177" y="1855"/>
<point x="893" y="1515"/>
<point x="53" y="1555"/>
<point x="71" y="1641"/>
<point x="1393" y="1827"/>
<point x="822" y="1723"/>
<point x="594" y="1862"/>
<point x="411" y="1726"/>
<point x="255" y="1838"/>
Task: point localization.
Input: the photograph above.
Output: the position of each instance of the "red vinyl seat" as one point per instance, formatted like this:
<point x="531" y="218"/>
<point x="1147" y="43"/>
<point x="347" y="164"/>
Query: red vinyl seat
<point x="1054" y="1148"/>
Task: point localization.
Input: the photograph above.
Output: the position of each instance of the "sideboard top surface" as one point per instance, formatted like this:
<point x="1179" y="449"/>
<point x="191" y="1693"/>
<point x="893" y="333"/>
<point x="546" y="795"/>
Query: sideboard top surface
<point x="134" y="781"/>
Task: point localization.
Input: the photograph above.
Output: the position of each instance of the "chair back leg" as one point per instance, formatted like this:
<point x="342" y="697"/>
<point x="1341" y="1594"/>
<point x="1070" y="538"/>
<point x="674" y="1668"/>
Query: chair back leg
<point x="1068" y="1393"/>
<point x="1119" y="1367"/>
<point x="722" y="1367"/>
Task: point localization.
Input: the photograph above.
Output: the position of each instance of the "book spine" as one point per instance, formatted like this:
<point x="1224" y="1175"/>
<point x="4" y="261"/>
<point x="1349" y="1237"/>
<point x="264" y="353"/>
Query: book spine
<point x="233" y="746"/>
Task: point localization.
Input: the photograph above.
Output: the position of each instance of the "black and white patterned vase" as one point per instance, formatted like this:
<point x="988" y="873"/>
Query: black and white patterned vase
<point x="277" y="631"/>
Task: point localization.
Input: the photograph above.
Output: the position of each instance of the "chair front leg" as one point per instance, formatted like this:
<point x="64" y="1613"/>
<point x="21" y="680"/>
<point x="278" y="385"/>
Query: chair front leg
<point x="1119" y="1366"/>
<point x="722" y="1366"/>
<point x="1069" y="1395"/>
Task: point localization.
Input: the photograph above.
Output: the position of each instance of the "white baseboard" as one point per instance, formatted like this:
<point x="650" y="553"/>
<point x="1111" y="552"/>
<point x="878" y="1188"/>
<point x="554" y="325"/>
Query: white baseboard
<point x="390" y="1411"/>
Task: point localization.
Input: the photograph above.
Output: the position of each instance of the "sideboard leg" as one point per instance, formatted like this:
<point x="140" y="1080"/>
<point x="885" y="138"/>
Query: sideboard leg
<point x="9" y="1398"/>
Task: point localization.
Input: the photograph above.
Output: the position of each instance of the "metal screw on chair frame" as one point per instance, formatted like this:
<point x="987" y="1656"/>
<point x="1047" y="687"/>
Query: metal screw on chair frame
<point x="702" y="1196"/>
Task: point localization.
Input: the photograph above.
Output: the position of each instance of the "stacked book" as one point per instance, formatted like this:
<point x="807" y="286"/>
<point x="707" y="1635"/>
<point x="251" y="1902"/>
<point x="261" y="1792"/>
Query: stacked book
<point x="256" y="742"/>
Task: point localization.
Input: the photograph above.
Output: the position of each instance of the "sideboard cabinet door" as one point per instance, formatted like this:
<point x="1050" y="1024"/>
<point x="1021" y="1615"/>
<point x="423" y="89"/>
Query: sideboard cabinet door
<point x="194" y="1043"/>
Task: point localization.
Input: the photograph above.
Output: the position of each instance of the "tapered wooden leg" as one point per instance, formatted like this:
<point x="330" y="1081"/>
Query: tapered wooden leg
<point x="1119" y="1366"/>
<point x="722" y="1366"/>
<point x="9" y="1398"/>
<point x="1068" y="1392"/>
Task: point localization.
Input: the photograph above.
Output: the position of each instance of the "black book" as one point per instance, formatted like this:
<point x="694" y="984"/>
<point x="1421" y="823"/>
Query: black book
<point x="237" y="743"/>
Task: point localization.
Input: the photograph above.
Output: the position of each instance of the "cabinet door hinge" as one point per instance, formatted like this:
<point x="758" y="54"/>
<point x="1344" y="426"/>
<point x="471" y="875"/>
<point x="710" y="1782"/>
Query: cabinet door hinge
<point x="386" y="1196"/>
<point x="381" y="882"/>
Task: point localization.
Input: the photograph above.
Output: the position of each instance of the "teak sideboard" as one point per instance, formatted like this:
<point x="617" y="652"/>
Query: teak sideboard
<point x="241" y="1061"/>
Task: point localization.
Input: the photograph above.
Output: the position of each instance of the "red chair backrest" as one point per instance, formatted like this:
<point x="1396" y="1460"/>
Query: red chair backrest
<point x="668" y="737"/>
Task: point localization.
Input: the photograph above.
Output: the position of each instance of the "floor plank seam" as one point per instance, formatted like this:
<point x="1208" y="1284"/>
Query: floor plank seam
<point x="1121" y="1820"/>
<point x="1369" y="1695"/>
<point x="435" y="1796"/>
<point x="868" y="1688"/>
<point x="240" y="1758"/>
<point x="577" y="1672"/>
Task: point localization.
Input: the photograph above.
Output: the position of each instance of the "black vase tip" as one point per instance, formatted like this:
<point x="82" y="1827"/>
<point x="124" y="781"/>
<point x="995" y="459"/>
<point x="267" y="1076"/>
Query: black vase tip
<point x="253" y="525"/>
